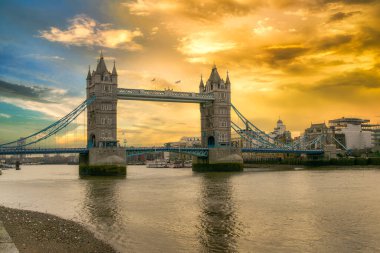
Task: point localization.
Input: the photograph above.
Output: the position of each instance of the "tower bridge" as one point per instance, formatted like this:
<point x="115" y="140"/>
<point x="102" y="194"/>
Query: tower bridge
<point x="103" y="155"/>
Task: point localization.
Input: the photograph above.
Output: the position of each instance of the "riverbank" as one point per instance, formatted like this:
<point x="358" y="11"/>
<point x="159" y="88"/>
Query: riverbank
<point x="34" y="232"/>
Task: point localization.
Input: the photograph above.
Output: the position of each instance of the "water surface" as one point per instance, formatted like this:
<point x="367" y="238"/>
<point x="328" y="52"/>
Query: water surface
<point x="176" y="210"/>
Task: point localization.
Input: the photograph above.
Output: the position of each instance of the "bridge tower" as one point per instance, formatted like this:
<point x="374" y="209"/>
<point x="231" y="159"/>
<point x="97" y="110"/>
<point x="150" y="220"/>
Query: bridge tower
<point x="216" y="126"/>
<point x="216" y="116"/>
<point x="101" y="115"/>
<point x="105" y="156"/>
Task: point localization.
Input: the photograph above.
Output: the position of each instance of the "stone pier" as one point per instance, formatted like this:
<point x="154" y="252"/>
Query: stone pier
<point x="103" y="162"/>
<point x="219" y="160"/>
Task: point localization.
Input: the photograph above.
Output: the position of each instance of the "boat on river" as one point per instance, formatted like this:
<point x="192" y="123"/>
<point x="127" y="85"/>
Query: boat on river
<point x="6" y="166"/>
<point x="181" y="164"/>
<point x="157" y="164"/>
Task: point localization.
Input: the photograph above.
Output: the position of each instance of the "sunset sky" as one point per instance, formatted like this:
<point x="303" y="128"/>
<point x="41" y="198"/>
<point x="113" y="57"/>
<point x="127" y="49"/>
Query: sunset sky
<point x="304" y="61"/>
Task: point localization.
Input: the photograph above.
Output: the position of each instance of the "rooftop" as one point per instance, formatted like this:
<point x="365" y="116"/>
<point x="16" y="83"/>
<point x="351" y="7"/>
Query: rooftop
<point x="352" y="121"/>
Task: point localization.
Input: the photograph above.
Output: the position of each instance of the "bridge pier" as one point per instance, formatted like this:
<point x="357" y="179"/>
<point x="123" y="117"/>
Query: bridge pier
<point x="109" y="161"/>
<point x="219" y="160"/>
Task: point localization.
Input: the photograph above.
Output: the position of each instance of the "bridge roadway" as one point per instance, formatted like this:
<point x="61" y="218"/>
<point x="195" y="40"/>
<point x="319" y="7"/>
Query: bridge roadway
<point x="163" y="96"/>
<point x="199" y="152"/>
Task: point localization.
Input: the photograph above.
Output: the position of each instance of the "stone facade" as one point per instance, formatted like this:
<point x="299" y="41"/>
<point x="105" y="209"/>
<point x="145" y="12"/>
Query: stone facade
<point x="101" y="114"/>
<point x="216" y="115"/>
<point x="105" y="158"/>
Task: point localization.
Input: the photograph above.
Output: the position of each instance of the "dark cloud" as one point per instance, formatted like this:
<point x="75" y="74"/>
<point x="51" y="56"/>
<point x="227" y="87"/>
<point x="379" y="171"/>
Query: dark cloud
<point x="368" y="79"/>
<point x="346" y="82"/>
<point x="282" y="55"/>
<point x="353" y="1"/>
<point x="33" y="93"/>
<point x="369" y="37"/>
<point x="333" y="42"/>
<point x="341" y="15"/>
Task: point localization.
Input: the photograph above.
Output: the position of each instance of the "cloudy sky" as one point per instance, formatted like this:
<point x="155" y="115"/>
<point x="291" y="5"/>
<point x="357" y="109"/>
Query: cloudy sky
<point x="304" y="61"/>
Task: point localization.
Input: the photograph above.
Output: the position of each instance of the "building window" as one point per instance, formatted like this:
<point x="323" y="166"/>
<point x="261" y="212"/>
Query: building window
<point x="222" y="137"/>
<point x="106" y="107"/>
<point x="223" y="123"/>
<point x="107" y="87"/>
<point x="223" y="111"/>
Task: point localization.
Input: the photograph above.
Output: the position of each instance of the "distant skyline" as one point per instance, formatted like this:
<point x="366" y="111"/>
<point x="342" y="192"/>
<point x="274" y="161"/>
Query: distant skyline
<point x="302" y="61"/>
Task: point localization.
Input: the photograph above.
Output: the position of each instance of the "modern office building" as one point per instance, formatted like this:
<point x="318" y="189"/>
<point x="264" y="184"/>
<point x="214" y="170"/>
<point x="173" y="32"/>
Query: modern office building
<point x="375" y="129"/>
<point x="352" y="133"/>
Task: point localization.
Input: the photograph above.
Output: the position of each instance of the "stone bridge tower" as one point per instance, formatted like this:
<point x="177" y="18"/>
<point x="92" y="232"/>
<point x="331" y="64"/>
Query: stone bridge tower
<point x="105" y="157"/>
<point x="216" y="127"/>
<point x="216" y="116"/>
<point x="101" y="114"/>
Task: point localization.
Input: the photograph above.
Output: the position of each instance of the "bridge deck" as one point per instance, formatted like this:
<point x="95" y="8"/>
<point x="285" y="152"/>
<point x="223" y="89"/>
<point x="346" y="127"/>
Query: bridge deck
<point x="200" y="152"/>
<point x="163" y="96"/>
<point x="41" y="151"/>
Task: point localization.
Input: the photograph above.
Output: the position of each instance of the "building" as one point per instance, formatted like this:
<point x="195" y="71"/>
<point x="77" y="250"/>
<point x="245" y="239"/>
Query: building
<point x="184" y="142"/>
<point x="101" y="114"/>
<point x="191" y="142"/>
<point x="375" y="129"/>
<point x="242" y="142"/>
<point x="216" y="116"/>
<point x="320" y="132"/>
<point x="351" y="133"/>
<point x="280" y="133"/>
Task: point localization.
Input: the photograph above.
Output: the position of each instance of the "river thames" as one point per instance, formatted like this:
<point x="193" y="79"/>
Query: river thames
<point x="177" y="210"/>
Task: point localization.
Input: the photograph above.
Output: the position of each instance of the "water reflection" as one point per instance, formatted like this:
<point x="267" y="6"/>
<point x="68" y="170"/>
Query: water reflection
<point x="219" y="224"/>
<point x="100" y="203"/>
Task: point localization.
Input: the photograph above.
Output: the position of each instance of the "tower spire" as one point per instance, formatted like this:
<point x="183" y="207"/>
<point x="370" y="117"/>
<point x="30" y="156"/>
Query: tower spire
<point x="114" y="72"/>
<point x="101" y="67"/>
<point x="89" y="73"/>
<point x="228" y="79"/>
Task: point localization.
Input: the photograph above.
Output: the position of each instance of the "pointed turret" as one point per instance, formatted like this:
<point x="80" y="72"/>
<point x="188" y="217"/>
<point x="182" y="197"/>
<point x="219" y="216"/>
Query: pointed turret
<point x="114" y="72"/>
<point x="101" y="67"/>
<point x="88" y="74"/>
<point x="201" y="85"/>
<point x="228" y="79"/>
<point x="214" y="76"/>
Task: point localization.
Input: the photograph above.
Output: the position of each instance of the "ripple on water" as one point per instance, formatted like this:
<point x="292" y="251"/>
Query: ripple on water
<point x="169" y="210"/>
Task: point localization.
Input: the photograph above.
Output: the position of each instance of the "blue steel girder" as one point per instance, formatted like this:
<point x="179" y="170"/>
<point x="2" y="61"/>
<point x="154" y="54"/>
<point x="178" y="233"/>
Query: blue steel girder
<point x="41" y="151"/>
<point x="198" y="152"/>
<point x="164" y="96"/>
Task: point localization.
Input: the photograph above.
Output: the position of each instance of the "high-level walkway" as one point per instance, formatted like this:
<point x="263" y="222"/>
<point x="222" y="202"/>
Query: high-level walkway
<point x="163" y="96"/>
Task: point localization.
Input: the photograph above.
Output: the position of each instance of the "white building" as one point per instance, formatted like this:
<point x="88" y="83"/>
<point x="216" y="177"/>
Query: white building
<point x="280" y="133"/>
<point x="279" y="129"/>
<point x="351" y="132"/>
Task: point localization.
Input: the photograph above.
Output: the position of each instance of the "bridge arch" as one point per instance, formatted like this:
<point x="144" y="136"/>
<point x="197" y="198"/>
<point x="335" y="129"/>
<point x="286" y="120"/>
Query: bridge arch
<point x="92" y="140"/>
<point x="211" y="141"/>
